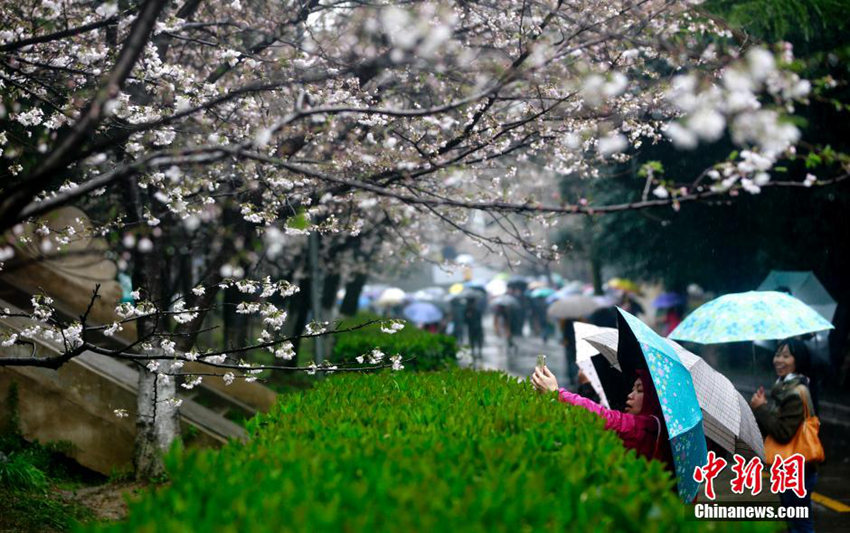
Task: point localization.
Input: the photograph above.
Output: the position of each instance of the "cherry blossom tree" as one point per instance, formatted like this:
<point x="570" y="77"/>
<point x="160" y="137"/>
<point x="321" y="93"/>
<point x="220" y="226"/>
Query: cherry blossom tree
<point x="234" y="128"/>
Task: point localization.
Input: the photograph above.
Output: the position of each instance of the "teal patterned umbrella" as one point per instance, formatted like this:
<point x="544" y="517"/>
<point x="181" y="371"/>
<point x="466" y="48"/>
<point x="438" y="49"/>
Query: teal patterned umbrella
<point x="676" y="393"/>
<point x="749" y="316"/>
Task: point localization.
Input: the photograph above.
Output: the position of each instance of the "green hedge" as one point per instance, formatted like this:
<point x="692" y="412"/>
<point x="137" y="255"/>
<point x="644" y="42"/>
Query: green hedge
<point x="443" y="451"/>
<point x="429" y="351"/>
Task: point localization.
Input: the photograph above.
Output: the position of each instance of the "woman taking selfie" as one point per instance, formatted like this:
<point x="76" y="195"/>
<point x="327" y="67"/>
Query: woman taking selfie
<point x="641" y="426"/>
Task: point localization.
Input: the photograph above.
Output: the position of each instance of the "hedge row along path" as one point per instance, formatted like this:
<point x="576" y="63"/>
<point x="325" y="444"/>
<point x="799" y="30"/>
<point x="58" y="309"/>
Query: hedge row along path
<point x="450" y="451"/>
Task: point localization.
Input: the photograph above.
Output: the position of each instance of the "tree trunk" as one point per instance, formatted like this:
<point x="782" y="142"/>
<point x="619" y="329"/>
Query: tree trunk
<point x="329" y="309"/>
<point x="596" y="274"/>
<point x="299" y="309"/>
<point x="589" y="237"/>
<point x="352" y="294"/>
<point x="235" y="324"/>
<point x="329" y="290"/>
<point x="157" y="424"/>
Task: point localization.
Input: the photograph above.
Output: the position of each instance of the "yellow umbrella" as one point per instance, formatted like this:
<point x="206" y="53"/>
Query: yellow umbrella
<point x="457" y="288"/>
<point x="622" y="284"/>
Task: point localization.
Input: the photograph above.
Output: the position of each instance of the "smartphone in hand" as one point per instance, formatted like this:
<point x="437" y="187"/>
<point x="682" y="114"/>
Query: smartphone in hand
<point x="541" y="361"/>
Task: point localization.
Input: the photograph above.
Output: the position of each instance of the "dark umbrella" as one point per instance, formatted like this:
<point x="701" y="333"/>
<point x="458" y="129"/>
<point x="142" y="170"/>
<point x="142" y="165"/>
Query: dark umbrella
<point x="804" y="286"/>
<point x="518" y="282"/>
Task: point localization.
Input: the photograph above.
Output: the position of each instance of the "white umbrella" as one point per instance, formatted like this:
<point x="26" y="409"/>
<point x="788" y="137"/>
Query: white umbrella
<point x="572" y="307"/>
<point x="465" y="259"/>
<point x="431" y="294"/>
<point x="584" y="353"/>
<point x="727" y="418"/>
<point x="391" y="296"/>
<point x="496" y="287"/>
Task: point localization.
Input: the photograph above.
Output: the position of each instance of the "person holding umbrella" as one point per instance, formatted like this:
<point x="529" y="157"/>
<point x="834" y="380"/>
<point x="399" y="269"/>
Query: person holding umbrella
<point x="472" y="320"/>
<point x="728" y="420"/>
<point x="566" y="311"/>
<point x="640" y="426"/>
<point x="503" y="311"/>
<point x="782" y="418"/>
<point x="662" y="419"/>
<point x="670" y="305"/>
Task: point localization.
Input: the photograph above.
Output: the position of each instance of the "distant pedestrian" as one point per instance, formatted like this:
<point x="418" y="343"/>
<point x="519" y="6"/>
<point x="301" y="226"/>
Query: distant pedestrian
<point x="457" y="321"/>
<point x="672" y="318"/>
<point x="517" y="313"/>
<point x="540" y="324"/>
<point x="472" y="321"/>
<point x="502" y="326"/>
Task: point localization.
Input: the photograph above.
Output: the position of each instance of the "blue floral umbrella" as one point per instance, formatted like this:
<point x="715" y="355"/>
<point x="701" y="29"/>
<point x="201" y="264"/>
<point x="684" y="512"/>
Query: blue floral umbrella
<point x="749" y="316"/>
<point x="676" y="393"/>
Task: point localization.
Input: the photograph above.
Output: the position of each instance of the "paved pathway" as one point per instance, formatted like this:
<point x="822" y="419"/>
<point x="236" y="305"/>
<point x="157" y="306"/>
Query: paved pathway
<point x="521" y="360"/>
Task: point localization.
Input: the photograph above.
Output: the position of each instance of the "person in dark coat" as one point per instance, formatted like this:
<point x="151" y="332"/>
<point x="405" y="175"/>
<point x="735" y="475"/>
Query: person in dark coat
<point x="474" y="327"/>
<point x="457" y="320"/>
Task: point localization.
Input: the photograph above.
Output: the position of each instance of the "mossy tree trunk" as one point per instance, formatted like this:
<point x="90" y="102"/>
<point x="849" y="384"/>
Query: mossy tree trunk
<point x="157" y="422"/>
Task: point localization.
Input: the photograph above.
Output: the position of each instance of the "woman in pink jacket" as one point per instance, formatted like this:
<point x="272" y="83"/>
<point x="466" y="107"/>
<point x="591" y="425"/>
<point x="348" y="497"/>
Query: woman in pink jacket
<point x="641" y="427"/>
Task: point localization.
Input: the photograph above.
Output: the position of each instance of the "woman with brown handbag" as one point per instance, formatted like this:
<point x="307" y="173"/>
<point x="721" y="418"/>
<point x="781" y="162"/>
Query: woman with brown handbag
<point x="788" y="422"/>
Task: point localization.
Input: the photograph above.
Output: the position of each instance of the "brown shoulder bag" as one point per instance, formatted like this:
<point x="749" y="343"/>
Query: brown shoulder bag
<point x="804" y="442"/>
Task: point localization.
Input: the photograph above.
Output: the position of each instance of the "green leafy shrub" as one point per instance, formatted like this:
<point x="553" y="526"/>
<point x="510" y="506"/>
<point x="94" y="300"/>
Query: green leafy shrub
<point x="17" y="473"/>
<point x="29" y="476"/>
<point x="425" y="351"/>
<point x="442" y="451"/>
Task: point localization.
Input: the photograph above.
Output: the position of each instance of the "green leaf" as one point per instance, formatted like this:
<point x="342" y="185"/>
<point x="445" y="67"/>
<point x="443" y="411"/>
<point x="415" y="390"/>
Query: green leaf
<point x="299" y="221"/>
